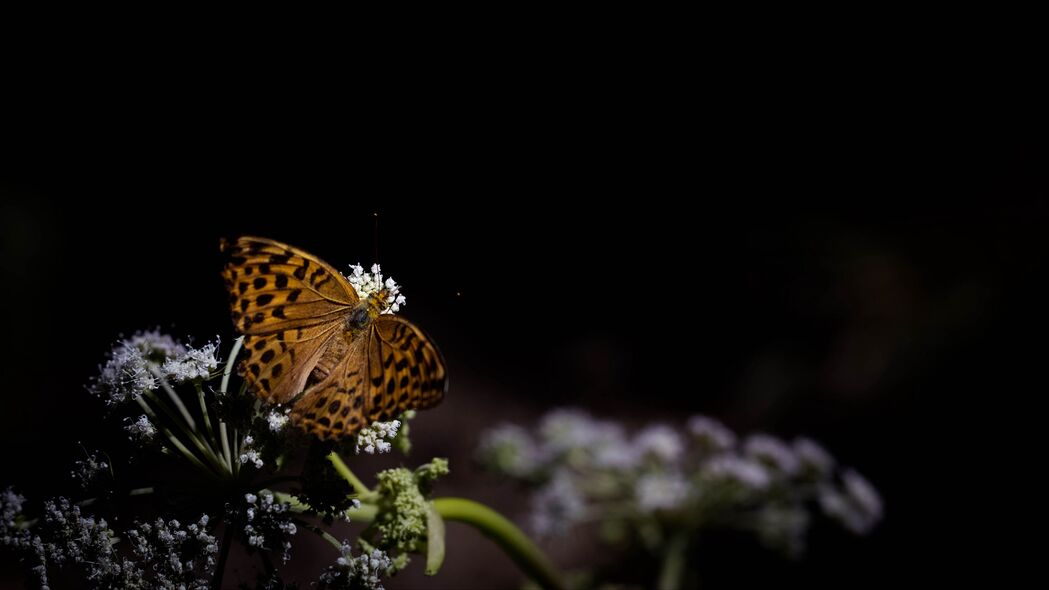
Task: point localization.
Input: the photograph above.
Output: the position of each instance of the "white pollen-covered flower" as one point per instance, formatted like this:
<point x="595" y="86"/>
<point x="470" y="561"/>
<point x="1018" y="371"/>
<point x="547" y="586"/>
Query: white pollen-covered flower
<point x="195" y="363"/>
<point x="369" y="283"/>
<point x="374" y="437"/>
<point x="277" y="420"/>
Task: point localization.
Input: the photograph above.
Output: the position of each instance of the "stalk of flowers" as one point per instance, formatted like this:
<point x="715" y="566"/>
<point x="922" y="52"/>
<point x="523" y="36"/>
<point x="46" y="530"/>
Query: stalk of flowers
<point x="680" y="480"/>
<point x="273" y="481"/>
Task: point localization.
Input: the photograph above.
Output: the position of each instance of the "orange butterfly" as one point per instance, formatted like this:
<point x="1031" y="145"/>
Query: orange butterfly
<point x="340" y="361"/>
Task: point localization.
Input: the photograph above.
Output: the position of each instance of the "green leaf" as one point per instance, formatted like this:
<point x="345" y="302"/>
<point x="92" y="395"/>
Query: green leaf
<point x="434" y="540"/>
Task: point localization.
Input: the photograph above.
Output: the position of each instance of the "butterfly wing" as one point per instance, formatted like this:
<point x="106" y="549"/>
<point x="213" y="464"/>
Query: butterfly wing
<point x="279" y="364"/>
<point x="275" y="287"/>
<point x="290" y="304"/>
<point x="391" y="368"/>
<point x="405" y="369"/>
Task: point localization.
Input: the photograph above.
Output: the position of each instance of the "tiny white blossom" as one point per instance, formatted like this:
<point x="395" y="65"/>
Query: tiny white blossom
<point x="277" y="420"/>
<point x="367" y="284"/>
<point x="363" y="571"/>
<point x="374" y="437"/>
<point x="249" y="455"/>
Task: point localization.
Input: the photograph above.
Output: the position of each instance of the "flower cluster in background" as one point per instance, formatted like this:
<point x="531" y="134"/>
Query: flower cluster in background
<point x="687" y="478"/>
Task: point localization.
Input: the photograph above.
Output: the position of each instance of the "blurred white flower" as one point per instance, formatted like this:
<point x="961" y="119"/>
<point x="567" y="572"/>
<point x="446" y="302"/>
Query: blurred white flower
<point x="813" y="456"/>
<point x="857" y="506"/>
<point x="711" y="434"/>
<point x="750" y="474"/>
<point x="773" y="452"/>
<point x="557" y="506"/>
<point x="661" y="442"/>
<point x="509" y="448"/>
<point x="661" y="491"/>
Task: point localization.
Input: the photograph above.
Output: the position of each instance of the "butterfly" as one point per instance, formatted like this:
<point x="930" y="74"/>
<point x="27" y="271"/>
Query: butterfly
<point x="314" y="343"/>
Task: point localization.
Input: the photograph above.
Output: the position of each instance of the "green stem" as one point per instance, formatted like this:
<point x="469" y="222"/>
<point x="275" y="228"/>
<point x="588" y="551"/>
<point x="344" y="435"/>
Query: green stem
<point x="505" y="534"/>
<point x="223" y="389"/>
<point x="343" y="470"/>
<point x="175" y="399"/>
<point x="672" y="571"/>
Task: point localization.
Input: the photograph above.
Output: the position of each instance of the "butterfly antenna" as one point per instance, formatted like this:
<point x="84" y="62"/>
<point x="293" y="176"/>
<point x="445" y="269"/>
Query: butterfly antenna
<point x="375" y="236"/>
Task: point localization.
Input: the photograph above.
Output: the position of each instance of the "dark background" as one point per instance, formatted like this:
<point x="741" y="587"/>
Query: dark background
<point x="872" y="278"/>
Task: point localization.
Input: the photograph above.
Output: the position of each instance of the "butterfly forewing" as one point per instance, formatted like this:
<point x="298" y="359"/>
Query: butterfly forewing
<point x="274" y="287"/>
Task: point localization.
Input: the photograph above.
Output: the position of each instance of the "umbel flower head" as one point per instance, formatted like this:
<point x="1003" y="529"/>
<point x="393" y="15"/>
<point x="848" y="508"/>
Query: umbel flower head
<point x="137" y="364"/>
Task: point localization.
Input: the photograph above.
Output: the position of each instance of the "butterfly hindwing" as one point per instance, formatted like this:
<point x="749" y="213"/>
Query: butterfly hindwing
<point x="333" y="408"/>
<point x="405" y="369"/>
<point x="273" y="286"/>
<point x="279" y="364"/>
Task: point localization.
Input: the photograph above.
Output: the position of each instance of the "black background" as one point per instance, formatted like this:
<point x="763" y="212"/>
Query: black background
<point x="869" y="273"/>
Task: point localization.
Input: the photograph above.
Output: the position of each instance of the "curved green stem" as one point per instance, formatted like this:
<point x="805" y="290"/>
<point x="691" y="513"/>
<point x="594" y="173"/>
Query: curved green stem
<point x="343" y="470"/>
<point x="505" y="534"/>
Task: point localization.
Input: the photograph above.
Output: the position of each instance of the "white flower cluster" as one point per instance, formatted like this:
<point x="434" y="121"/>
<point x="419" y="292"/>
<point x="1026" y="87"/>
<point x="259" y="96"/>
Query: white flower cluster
<point x="277" y="420"/>
<point x="136" y="365"/>
<point x="250" y="455"/>
<point x="141" y="430"/>
<point x="369" y="283"/>
<point x="269" y="523"/>
<point x="195" y="363"/>
<point x="362" y="572"/>
<point x="161" y="555"/>
<point x="86" y="471"/>
<point x="373" y="438"/>
<point x="580" y="465"/>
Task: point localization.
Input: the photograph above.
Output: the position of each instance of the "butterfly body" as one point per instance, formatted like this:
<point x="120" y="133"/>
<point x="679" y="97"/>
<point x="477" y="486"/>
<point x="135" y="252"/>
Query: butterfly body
<point x="315" y="343"/>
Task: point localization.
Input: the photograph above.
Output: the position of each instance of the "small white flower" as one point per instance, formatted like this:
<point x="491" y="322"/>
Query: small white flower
<point x="367" y="284"/>
<point x="277" y="420"/>
<point x="661" y="491"/>
<point x="251" y="498"/>
<point x="374" y="437"/>
<point x="251" y="456"/>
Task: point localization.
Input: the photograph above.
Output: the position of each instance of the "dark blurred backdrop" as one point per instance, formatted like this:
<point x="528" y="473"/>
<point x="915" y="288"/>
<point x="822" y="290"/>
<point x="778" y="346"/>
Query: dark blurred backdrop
<point x="877" y="285"/>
